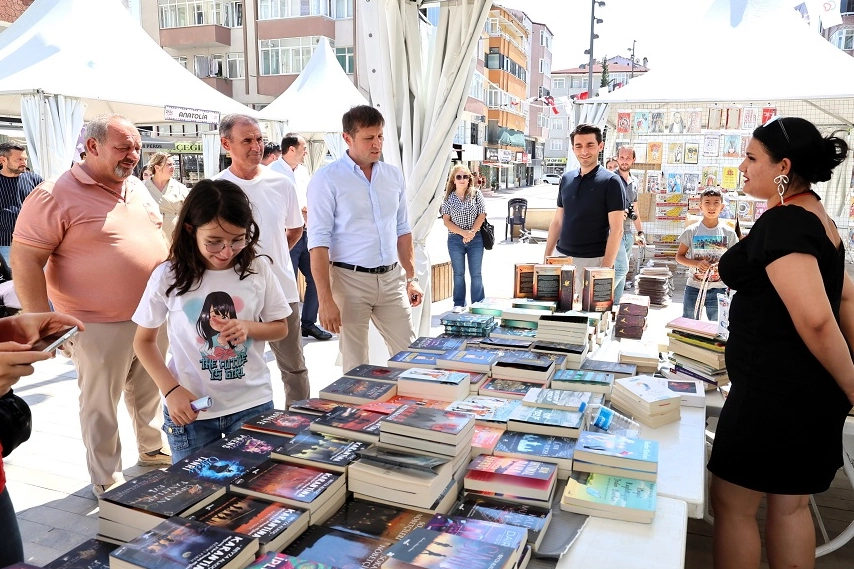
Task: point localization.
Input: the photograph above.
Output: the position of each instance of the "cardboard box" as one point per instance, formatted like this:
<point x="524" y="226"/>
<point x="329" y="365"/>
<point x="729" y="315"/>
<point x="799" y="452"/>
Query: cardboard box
<point x="597" y="294"/>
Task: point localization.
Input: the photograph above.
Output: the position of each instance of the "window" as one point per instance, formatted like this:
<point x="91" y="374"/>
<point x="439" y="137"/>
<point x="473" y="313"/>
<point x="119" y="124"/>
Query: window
<point x="545" y="39"/>
<point x="545" y="67"/>
<point x="234" y="65"/>
<point x="460" y="135"/>
<point x="182" y="59"/>
<point x="286" y="55"/>
<point x="557" y="124"/>
<point x="341" y="9"/>
<point x="542" y="120"/>
<point x="475" y="133"/>
<point x="476" y="90"/>
<point x="272" y="9"/>
<point x="558" y="83"/>
<point x="556" y="144"/>
<point x="846" y="6"/>
<point x="181" y="13"/>
<point x="843" y="39"/>
<point x="579" y="82"/>
<point x="345" y="58"/>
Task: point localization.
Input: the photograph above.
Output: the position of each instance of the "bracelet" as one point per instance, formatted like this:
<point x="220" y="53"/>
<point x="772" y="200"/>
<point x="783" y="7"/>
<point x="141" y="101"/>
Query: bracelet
<point x="640" y="233"/>
<point x="171" y="390"/>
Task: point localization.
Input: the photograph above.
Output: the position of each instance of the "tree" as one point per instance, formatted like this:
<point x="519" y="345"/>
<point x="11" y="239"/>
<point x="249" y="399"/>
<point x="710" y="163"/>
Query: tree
<point x="604" y="82"/>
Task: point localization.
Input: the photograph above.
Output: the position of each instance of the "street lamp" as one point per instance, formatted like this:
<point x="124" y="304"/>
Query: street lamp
<point x="632" y="51"/>
<point x="593" y="21"/>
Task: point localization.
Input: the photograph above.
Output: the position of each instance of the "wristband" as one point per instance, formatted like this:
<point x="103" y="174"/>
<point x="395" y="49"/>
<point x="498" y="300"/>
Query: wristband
<point x="640" y="233"/>
<point x="171" y="390"/>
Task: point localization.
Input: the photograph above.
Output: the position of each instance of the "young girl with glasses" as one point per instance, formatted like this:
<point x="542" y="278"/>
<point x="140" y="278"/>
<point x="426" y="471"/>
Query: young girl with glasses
<point x="463" y="211"/>
<point x="220" y="302"/>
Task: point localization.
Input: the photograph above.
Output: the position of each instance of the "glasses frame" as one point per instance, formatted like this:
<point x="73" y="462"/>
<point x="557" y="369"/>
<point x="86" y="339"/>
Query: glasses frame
<point x="219" y="246"/>
<point x="462" y="177"/>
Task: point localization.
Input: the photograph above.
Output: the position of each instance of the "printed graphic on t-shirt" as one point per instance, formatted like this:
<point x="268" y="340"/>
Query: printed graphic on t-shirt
<point x="709" y="248"/>
<point x="221" y="358"/>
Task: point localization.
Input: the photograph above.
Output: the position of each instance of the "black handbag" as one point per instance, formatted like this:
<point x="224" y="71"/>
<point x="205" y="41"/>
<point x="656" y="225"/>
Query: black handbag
<point x="487" y="233"/>
<point x="16" y="422"/>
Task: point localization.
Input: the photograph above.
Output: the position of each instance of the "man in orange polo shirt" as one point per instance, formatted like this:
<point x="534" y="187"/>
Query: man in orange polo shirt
<point x="97" y="230"/>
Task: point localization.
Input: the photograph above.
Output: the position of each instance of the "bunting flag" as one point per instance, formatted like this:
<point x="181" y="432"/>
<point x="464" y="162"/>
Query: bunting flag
<point x="550" y="101"/>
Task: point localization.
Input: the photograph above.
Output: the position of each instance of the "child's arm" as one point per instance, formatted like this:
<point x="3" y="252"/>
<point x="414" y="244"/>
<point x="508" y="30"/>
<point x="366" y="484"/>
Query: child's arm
<point x="238" y="331"/>
<point x="682" y="258"/>
<point x="179" y="398"/>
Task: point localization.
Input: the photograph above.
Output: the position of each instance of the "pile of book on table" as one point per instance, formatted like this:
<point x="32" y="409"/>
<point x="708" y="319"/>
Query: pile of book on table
<point x="647" y="399"/>
<point x="697" y="352"/>
<point x="468" y="324"/>
<point x="656" y="283"/>
<point x="630" y="321"/>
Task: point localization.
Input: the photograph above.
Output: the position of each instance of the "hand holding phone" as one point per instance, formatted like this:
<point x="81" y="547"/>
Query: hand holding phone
<point x="51" y="342"/>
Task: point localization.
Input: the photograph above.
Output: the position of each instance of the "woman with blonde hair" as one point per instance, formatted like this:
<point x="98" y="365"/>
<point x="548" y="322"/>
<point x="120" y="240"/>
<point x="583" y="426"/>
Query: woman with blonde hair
<point x="168" y="192"/>
<point x="463" y="212"/>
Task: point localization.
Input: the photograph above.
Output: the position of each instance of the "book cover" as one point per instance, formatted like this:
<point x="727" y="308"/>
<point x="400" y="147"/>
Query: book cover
<point x="279" y="422"/>
<point x="383" y="458"/>
<point x="581" y="379"/>
<point x="521" y="333"/>
<point x="566" y="288"/>
<point x="556" y="398"/>
<point x="298" y="483"/>
<point x="314" y="406"/>
<point x="436" y="345"/>
<point x="512" y="388"/>
<point x="546" y="282"/>
<point x="352" y="390"/>
<point x="652" y="391"/>
<point x="675" y="153"/>
<point x="351" y="419"/>
<point x="523" y="280"/>
<point x="485" y="409"/>
<point x="216" y="466"/>
<point x="249" y="443"/>
<point x="505" y="535"/>
<point x="531" y="479"/>
<point x="340" y="549"/>
<point x="91" y="554"/>
<point x="308" y="447"/>
<point x="610" y="493"/>
<point x="383" y="407"/>
<point x="426" y="549"/>
<point x="400" y="400"/>
<point x="263" y="520"/>
<point x="378" y="373"/>
<point x="434" y="376"/>
<point x="409" y="359"/>
<point x="273" y="560"/>
<point x="598" y="289"/>
<point x="571" y="421"/>
<point x="558" y="450"/>
<point x="485" y="438"/>
<point x="161" y="493"/>
<point x="533" y="518"/>
<point x="376" y="520"/>
<point x="424" y="418"/>
<point x="179" y="543"/>
<point x="477" y="360"/>
<point x="615" y="368"/>
<point x="616" y="450"/>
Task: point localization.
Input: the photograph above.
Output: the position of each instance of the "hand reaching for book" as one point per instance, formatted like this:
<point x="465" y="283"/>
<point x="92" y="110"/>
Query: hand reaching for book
<point x="178" y="406"/>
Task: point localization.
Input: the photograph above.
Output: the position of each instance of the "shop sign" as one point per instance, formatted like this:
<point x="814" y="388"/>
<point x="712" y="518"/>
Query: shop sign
<point x="183" y="114"/>
<point x="188" y="148"/>
<point x="491" y="155"/>
<point x="505" y="155"/>
<point x="554" y="160"/>
<point x="526" y="158"/>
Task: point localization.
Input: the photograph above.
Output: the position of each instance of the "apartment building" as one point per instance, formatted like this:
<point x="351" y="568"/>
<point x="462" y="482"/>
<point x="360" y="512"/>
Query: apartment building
<point x="842" y="36"/>
<point x="621" y="70"/>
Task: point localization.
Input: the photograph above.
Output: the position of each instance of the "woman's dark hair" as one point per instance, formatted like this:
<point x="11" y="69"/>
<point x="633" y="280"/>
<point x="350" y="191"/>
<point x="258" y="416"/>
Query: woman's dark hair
<point x="813" y="156"/>
<point x="209" y="201"/>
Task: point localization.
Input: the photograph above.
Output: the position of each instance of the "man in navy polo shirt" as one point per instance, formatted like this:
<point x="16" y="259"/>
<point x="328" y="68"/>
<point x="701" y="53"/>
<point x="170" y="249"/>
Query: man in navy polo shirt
<point x="588" y="222"/>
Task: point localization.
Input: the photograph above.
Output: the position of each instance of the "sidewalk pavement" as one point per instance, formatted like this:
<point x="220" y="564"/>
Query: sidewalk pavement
<point x="47" y="476"/>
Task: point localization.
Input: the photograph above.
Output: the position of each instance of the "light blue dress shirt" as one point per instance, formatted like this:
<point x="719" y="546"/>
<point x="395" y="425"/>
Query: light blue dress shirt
<point x="358" y="220"/>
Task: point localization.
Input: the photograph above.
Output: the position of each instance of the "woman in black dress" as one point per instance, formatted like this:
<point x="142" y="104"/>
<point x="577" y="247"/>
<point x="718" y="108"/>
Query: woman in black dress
<point x="791" y="326"/>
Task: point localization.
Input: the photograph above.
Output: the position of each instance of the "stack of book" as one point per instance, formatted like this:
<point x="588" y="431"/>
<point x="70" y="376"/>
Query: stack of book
<point x="358" y="391"/>
<point x="350" y="423"/>
<point x="656" y="283"/>
<point x="596" y="382"/>
<point x="647" y="399"/>
<point x="527" y="318"/>
<point x="377" y="520"/>
<point x="417" y="428"/>
<point x="440" y="345"/>
<point x="548" y="306"/>
<point x="546" y="421"/>
<point x="279" y="422"/>
<point x="568" y="400"/>
<point x="478" y="361"/>
<point x="436" y="384"/>
<point x="644" y="355"/>
<point x="533" y="518"/>
<point x="697" y="352"/>
<point x="508" y="388"/>
<point x="617" y="369"/>
<point x="631" y="317"/>
<point x="490" y="306"/>
<point x="487" y="411"/>
<point x="319" y="451"/>
<point x="691" y="392"/>
<point x="319" y="491"/>
<point x="574" y="353"/>
<point x="573" y="328"/>
<point x="419" y="550"/>
<point x="611" y="497"/>
<point x="616" y="455"/>
<point x="529" y="482"/>
<point x="323" y="546"/>
<point x="231" y="457"/>
<point x="513" y="333"/>
<point x="495" y="533"/>
<point x="468" y="324"/>
<point x="545" y="448"/>
<point x="523" y="367"/>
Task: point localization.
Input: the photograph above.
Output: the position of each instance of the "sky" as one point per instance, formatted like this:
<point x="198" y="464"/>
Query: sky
<point x="646" y="21"/>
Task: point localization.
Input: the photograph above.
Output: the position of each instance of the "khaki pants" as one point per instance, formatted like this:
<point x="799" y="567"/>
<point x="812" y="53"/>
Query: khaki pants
<point x="363" y="298"/>
<point x="580" y="263"/>
<point x="291" y="362"/>
<point x="107" y="367"/>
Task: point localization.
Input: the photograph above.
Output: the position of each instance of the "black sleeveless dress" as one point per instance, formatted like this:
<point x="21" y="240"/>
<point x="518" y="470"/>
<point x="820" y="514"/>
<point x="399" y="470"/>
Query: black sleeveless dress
<point x="780" y="430"/>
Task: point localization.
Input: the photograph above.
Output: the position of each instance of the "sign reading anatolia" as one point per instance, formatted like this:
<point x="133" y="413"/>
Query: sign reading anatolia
<point x="183" y="114"/>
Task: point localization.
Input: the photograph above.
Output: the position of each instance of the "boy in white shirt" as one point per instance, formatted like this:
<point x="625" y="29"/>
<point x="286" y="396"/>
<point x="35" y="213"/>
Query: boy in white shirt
<point x="700" y="247"/>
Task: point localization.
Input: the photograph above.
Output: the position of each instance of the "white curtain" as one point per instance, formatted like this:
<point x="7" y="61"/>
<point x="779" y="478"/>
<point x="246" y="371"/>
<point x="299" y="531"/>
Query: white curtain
<point x="335" y="144"/>
<point x="52" y="124"/>
<point x="210" y="153"/>
<point x="420" y="85"/>
<point x="316" y="154"/>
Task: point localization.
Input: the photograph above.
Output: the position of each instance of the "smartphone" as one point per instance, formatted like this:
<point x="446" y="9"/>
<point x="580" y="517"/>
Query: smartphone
<point x="51" y="342"/>
<point x="201" y="404"/>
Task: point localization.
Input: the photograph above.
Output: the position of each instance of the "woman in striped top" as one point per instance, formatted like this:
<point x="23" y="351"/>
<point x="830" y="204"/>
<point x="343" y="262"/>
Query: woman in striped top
<point x="463" y="212"/>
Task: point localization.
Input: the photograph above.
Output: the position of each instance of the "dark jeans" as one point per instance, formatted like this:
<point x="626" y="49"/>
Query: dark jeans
<point x="11" y="548"/>
<point x="458" y="252"/>
<point x="301" y="261"/>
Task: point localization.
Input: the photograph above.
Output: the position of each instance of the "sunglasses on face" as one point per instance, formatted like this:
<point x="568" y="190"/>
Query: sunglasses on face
<point x="462" y="177"/>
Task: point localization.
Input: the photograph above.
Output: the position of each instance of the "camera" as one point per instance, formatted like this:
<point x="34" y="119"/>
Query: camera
<point x="631" y="212"/>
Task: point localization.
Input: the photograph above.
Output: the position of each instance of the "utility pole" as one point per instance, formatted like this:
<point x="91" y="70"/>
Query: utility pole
<point x="632" y="49"/>
<point x="593" y="21"/>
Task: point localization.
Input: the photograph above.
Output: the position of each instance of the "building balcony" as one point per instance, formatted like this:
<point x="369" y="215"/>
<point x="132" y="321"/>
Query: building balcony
<point x="221" y="84"/>
<point x="195" y="36"/>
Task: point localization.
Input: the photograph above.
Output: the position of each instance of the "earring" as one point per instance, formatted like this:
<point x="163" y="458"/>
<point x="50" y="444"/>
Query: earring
<point x="782" y="180"/>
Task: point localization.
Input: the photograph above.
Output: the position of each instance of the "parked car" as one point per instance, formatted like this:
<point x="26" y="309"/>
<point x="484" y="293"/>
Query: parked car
<point x="551" y="179"/>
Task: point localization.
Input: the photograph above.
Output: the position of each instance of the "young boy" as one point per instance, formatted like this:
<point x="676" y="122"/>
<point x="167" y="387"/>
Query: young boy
<point x="700" y="247"/>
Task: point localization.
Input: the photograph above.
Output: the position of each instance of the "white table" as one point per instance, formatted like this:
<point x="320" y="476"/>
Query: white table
<point x="629" y="545"/>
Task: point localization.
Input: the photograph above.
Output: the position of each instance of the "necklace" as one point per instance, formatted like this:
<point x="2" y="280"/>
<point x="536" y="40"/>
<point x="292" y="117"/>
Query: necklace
<point x="793" y="196"/>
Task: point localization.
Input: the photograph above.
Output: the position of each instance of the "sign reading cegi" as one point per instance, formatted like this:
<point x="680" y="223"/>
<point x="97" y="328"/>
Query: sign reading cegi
<point x="183" y="114"/>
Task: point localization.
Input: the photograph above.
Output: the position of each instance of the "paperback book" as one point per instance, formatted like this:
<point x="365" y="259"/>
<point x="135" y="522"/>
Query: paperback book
<point x="610" y="497"/>
<point x="469" y="360"/>
<point x="358" y="391"/>
<point x="525" y="478"/>
<point x="314" y="406"/>
<point x="556" y="399"/>
<point x="530" y="446"/>
<point x="514" y="537"/>
<point x="617" y="451"/>
<point x="418" y="550"/>
<point x="487" y="410"/>
<point x="508" y="388"/>
<point x="407" y="359"/>
<point x="375" y="520"/>
<point x="340" y="549"/>
<point x="536" y="520"/>
<point x="91" y="554"/>
<point x="434" y="383"/>
<point x="295" y="485"/>
<point x="436" y="345"/>
<point x="350" y="423"/>
<point x="320" y="451"/>
<point x="216" y="465"/>
<point x="539" y="420"/>
<point x="377" y="373"/>
<point x="278" y="422"/>
<point x="446" y="427"/>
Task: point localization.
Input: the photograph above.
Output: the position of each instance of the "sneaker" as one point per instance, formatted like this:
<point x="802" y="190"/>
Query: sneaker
<point x="459" y="309"/>
<point x="99" y="489"/>
<point x="155" y="458"/>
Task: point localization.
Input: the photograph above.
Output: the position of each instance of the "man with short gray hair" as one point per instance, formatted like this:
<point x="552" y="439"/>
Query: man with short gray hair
<point x="16" y="183"/>
<point x="97" y="230"/>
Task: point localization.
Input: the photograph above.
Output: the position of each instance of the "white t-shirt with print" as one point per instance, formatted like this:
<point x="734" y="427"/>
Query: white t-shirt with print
<point x="275" y="209"/>
<point x="707" y="243"/>
<point x="236" y="377"/>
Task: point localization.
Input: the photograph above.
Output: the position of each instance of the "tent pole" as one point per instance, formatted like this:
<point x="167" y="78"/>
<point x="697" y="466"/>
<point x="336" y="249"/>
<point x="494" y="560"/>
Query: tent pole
<point x="842" y="120"/>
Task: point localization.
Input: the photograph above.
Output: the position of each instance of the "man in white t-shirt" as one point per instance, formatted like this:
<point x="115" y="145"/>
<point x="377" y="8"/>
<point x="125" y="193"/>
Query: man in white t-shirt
<point x="290" y="164"/>
<point x="277" y="213"/>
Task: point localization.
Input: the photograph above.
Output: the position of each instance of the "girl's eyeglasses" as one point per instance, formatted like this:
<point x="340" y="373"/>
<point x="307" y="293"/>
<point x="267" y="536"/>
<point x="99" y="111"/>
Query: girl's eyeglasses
<point x="462" y="177"/>
<point x="218" y="246"/>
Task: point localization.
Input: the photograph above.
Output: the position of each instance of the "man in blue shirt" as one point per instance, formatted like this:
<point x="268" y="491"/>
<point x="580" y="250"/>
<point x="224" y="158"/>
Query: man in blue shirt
<point x="359" y="238"/>
<point x="16" y="183"/>
<point x="588" y="222"/>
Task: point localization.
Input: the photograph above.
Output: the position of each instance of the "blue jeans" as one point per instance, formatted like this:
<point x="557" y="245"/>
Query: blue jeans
<point x="11" y="547"/>
<point x="458" y="251"/>
<point x="191" y="438"/>
<point x="689" y="301"/>
<point x="301" y="261"/>
<point x="621" y="265"/>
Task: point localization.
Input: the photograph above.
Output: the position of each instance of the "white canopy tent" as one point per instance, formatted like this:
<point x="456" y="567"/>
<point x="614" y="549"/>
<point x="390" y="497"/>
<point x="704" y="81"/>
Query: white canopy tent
<point x="762" y="54"/>
<point x="420" y="82"/>
<point x="313" y="105"/>
<point x="66" y="61"/>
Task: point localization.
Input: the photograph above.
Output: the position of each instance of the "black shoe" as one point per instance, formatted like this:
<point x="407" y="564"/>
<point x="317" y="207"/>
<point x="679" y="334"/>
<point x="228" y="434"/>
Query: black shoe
<point x="315" y="331"/>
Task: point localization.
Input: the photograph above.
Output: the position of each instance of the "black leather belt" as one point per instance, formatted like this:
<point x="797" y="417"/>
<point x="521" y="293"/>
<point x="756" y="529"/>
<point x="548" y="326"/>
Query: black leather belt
<point x="371" y="270"/>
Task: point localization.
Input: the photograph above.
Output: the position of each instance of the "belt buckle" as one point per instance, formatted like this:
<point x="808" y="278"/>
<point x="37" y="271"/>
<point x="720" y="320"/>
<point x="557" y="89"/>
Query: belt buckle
<point x="376" y="270"/>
